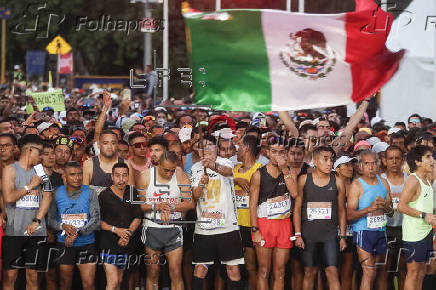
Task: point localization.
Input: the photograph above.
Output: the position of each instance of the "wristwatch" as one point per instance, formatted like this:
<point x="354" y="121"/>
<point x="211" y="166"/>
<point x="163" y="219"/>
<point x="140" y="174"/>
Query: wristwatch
<point x="36" y="220"/>
<point x="422" y="215"/>
<point x="254" y="229"/>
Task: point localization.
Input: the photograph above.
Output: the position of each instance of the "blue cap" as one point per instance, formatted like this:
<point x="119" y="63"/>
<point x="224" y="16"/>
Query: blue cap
<point x="48" y="109"/>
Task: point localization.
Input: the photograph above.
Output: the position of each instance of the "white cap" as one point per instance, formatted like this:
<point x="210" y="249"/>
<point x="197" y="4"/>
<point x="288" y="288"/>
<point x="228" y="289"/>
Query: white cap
<point x="380" y="147"/>
<point x="43" y="126"/>
<point x="258" y="115"/>
<point x="185" y="134"/>
<point x="305" y="122"/>
<point x="160" y="109"/>
<point x="373" y="140"/>
<point x="342" y="160"/>
<point x="314" y="122"/>
<point x="393" y="130"/>
<point x="225" y="133"/>
<point x="376" y="120"/>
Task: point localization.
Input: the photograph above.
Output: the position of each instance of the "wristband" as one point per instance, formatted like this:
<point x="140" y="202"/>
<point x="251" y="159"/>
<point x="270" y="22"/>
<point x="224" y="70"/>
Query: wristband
<point x="343" y="237"/>
<point x="27" y="189"/>
<point x="36" y="220"/>
<point x="113" y="229"/>
<point x="297" y="234"/>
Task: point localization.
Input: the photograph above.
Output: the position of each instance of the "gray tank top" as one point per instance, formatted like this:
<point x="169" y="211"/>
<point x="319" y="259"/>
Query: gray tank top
<point x="21" y="213"/>
<point x="100" y="180"/>
<point x="397" y="219"/>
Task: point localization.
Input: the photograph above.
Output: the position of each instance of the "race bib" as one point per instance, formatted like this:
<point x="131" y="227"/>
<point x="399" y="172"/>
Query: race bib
<point x="212" y="220"/>
<point x="319" y="210"/>
<point x="29" y="201"/>
<point x="279" y="207"/>
<point x="376" y="221"/>
<point x="242" y="201"/>
<point x="395" y="199"/>
<point x="174" y="215"/>
<point x="76" y="220"/>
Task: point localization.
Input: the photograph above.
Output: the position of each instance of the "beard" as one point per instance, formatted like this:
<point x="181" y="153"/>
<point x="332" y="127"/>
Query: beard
<point x="108" y="154"/>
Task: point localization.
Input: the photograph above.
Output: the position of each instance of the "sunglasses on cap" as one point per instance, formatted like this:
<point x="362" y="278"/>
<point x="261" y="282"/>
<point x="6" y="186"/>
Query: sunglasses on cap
<point x="140" y="145"/>
<point x="149" y="118"/>
<point x="77" y="140"/>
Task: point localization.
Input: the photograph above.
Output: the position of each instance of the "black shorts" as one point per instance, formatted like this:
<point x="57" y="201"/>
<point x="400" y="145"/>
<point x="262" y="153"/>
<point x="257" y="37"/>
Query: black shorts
<point x="50" y="253"/>
<point x="188" y="236"/>
<point x="420" y="251"/>
<point x="247" y="241"/>
<point x="226" y="248"/>
<point x="394" y="238"/>
<point x="296" y="253"/>
<point x="326" y="253"/>
<point x="23" y="252"/>
<point x="77" y="255"/>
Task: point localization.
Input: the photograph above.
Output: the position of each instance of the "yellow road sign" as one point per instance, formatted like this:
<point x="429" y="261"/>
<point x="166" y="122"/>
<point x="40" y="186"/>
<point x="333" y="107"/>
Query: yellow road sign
<point x="58" y="46"/>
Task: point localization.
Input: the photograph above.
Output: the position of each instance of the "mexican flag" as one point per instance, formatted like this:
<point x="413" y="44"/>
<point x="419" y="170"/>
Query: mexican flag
<point x="272" y="60"/>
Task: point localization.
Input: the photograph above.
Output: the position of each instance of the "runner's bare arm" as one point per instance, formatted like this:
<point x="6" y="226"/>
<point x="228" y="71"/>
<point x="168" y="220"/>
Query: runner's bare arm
<point x="341" y="206"/>
<point x="409" y="193"/>
<point x="141" y="186"/>
<point x="254" y="197"/>
<point x="389" y="209"/>
<point x="87" y="171"/>
<point x="131" y="174"/>
<point x="292" y="185"/>
<point x="10" y="194"/>
<point x="299" y="203"/>
<point x="289" y="124"/>
<point x="356" y="191"/>
<point x="99" y="125"/>
<point x="339" y="143"/>
<point x="186" y="204"/>
<point x="224" y="170"/>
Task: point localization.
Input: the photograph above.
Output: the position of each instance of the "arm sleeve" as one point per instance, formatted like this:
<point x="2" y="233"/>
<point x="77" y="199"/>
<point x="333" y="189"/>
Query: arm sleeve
<point x="101" y="205"/>
<point x="94" y="213"/>
<point x="52" y="214"/>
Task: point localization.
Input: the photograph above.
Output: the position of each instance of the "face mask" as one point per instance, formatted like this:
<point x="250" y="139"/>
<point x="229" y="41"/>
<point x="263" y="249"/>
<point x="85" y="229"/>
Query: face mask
<point x="161" y="121"/>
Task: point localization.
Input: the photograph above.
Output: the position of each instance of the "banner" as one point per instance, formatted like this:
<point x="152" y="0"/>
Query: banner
<point x="54" y="99"/>
<point x="65" y="64"/>
<point x="35" y="62"/>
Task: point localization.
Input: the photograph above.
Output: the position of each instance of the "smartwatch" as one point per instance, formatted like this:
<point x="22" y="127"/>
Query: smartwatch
<point x="254" y="229"/>
<point x="422" y="215"/>
<point x="36" y="220"/>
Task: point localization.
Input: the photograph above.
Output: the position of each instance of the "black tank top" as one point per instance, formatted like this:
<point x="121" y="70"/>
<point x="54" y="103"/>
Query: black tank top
<point x="270" y="187"/>
<point x="320" y="230"/>
<point x="99" y="177"/>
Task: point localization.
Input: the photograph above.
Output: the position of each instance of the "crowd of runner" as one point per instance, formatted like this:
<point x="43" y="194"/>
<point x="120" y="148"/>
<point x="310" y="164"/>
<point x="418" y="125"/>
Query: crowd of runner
<point x="125" y="195"/>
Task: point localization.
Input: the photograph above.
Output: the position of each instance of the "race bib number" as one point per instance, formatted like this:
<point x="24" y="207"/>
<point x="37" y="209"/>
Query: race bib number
<point x="76" y="220"/>
<point x="212" y="220"/>
<point x="395" y="199"/>
<point x="29" y="201"/>
<point x="376" y="221"/>
<point x="319" y="210"/>
<point x="279" y="207"/>
<point x="242" y="201"/>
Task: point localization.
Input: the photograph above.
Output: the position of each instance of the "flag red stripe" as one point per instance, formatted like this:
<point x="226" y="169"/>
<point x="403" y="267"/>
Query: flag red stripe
<point x="372" y="64"/>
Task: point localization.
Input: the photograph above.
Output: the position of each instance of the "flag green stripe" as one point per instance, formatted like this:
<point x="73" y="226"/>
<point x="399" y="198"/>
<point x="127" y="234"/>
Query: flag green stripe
<point x="233" y="54"/>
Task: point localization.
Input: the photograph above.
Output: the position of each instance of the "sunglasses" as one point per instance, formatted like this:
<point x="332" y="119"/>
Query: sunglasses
<point x="140" y="145"/>
<point x="39" y="149"/>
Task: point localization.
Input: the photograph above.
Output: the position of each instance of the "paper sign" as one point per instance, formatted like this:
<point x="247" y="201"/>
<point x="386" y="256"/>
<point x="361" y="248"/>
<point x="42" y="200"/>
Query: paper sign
<point x="54" y="99"/>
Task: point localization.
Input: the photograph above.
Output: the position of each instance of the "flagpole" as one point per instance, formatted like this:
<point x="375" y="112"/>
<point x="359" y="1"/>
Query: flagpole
<point x="288" y="5"/>
<point x="3" y="51"/>
<point x="217" y="5"/>
<point x="165" y="49"/>
<point x="301" y="6"/>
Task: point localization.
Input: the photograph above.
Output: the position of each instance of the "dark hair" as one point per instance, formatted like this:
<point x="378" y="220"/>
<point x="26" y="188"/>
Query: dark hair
<point x="242" y="125"/>
<point x="169" y="156"/>
<point x="320" y="149"/>
<point x="46" y="144"/>
<point x="120" y="165"/>
<point x="122" y="142"/>
<point x="185" y="115"/>
<point x="11" y="136"/>
<point x="253" y="144"/>
<point x="414" y="116"/>
<point x="74" y="164"/>
<point x="108" y="132"/>
<point x="423" y="136"/>
<point x="30" y="139"/>
<point x="253" y="129"/>
<point x="393" y="148"/>
<point x="402" y="124"/>
<point x="296" y="142"/>
<point x="306" y="127"/>
<point x="415" y="154"/>
<point x="398" y="135"/>
<point x="210" y="138"/>
<point x="158" y="140"/>
<point x="135" y="135"/>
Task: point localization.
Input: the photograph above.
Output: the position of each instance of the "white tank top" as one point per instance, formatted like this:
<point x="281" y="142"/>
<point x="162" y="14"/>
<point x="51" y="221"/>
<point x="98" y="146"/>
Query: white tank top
<point x="397" y="219"/>
<point x="160" y="192"/>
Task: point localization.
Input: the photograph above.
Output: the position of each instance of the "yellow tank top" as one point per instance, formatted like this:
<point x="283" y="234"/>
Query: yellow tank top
<point x="416" y="229"/>
<point x="243" y="198"/>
